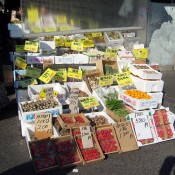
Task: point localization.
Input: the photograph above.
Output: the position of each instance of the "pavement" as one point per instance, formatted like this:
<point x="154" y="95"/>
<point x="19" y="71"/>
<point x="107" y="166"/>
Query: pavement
<point x="157" y="159"/>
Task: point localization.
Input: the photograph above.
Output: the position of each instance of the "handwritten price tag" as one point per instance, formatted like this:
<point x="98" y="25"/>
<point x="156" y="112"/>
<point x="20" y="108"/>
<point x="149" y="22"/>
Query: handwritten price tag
<point x="67" y="43"/>
<point x="59" y="42"/>
<point x="124" y="79"/>
<point x="32" y="15"/>
<point x="141" y="53"/>
<point x="47" y="75"/>
<point x="31" y="46"/>
<point x="105" y="80"/>
<point x="61" y="75"/>
<point x="26" y="83"/>
<point x="20" y="48"/>
<point x="74" y="73"/>
<point x="77" y="46"/>
<point x="88" y="102"/>
<point x="33" y="72"/>
<point x="21" y="63"/>
<point x="49" y="93"/>
<point x="43" y="125"/>
<point x="42" y="93"/>
<point x="97" y="34"/>
<point x="110" y="53"/>
<point x="88" y="43"/>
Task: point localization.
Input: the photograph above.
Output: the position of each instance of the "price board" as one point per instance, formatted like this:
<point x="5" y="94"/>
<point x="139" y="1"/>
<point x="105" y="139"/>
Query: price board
<point x="31" y="46"/>
<point x="61" y="75"/>
<point x="73" y="99"/>
<point x="59" y="42"/>
<point x="124" y="79"/>
<point x="47" y="75"/>
<point x="105" y="80"/>
<point x="21" y="63"/>
<point x="43" y="125"/>
<point x="110" y="53"/>
<point x="26" y="83"/>
<point x="33" y="72"/>
<point x="74" y="73"/>
<point x="88" y="102"/>
<point x="97" y="34"/>
<point x="77" y="46"/>
<point x="141" y="53"/>
<point x="33" y="15"/>
<point x="68" y="42"/>
<point x="88" y="43"/>
<point x="49" y="93"/>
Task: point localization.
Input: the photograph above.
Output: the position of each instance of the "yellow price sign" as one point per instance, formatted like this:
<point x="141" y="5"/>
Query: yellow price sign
<point x="21" y="63"/>
<point x="47" y="75"/>
<point x="42" y="93"/>
<point x="25" y="83"/>
<point x="50" y="29"/>
<point x="77" y="46"/>
<point x="61" y="19"/>
<point x="20" y="48"/>
<point x="124" y="79"/>
<point x="105" y="80"/>
<point x="110" y="53"/>
<point x="61" y="75"/>
<point x="59" y="42"/>
<point x="67" y="43"/>
<point x="33" y="15"/>
<point x="33" y="72"/>
<point x="88" y="43"/>
<point x="88" y="102"/>
<point x="97" y="34"/>
<point x="35" y="29"/>
<point x="64" y="28"/>
<point x="74" y="73"/>
<point x="141" y="53"/>
<point x="31" y="46"/>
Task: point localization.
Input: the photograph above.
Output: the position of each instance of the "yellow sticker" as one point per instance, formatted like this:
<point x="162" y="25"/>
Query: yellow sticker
<point x="74" y="73"/>
<point x="111" y="53"/>
<point x="61" y="75"/>
<point x="105" y="80"/>
<point x="77" y="46"/>
<point x="50" y="29"/>
<point x="141" y="53"/>
<point x="25" y="83"/>
<point x="31" y="46"/>
<point x="47" y="75"/>
<point x="42" y="93"/>
<point x="67" y="43"/>
<point x="59" y="42"/>
<point x="124" y="79"/>
<point x="88" y="102"/>
<point x="32" y="15"/>
<point x="33" y="72"/>
<point x="61" y="19"/>
<point x="88" y="43"/>
<point x="35" y="29"/>
<point x="21" y="63"/>
<point x="97" y="34"/>
<point x="64" y="28"/>
<point x="20" y="48"/>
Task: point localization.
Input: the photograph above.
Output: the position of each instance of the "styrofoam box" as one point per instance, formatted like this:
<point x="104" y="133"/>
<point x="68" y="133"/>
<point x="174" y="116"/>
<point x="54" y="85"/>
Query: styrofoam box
<point x="24" y="126"/>
<point x="14" y="26"/>
<point x="125" y="54"/>
<point x="16" y="34"/>
<point x="146" y="85"/>
<point x="140" y="72"/>
<point x="93" y="114"/>
<point x="34" y="90"/>
<point x="158" y="96"/>
<point x="47" y="45"/>
<point x="17" y="84"/>
<point x="138" y="104"/>
<point x="81" y="59"/>
<point x="34" y="58"/>
<point x="48" y="51"/>
<point x="113" y="42"/>
<point x="29" y="116"/>
<point x="129" y="34"/>
<point x="67" y="59"/>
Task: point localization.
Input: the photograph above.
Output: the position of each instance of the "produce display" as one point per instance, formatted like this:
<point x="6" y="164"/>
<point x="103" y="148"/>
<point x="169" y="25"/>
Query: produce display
<point x="99" y="120"/>
<point x="93" y="82"/>
<point x="138" y="94"/>
<point x="164" y="132"/>
<point x="113" y="35"/>
<point x="109" y="70"/>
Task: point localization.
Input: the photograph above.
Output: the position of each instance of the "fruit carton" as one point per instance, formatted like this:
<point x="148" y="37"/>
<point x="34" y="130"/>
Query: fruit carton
<point x="90" y="155"/>
<point x="72" y="120"/>
<point x="67" y="153"/>
<point x="75" y="131"/>
<point x="107" y="139"/>
<point x="114" y="38"/>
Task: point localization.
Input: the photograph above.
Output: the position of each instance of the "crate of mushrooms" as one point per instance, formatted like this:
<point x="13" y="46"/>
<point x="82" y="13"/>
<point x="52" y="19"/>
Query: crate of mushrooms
<point x="28" y="109"/>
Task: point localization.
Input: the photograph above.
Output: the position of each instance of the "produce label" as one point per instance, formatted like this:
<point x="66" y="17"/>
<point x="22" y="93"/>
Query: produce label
<point x="97" y="34"/>
<point x="77" y="46"/>
<point x="33" y="72"/>
<point x="25" y="83"/>
<point x="43" y="125"/>
<point x="110" y="53"/>
<point x="47" y="75"/>
<point x="124" y="79"/>
<point x="86" y="137"/>
<point x="49" y="93"/>
<point x="67" y="43"/>
<point x="88" y="102"/>
<point x="105" y="80"/>
<point x="21" y="63"/>
<point x="20" y="48"/>
<point x="61" y="75"/>
<point x="74" y="73"/>
<point x="31" y="46"/>
<point x="141" y="53"/>
<point x="32" y="15"/>
<point x="73" y="99"/>
<point x="59" y="42"/>
<point x="88" y="43"/>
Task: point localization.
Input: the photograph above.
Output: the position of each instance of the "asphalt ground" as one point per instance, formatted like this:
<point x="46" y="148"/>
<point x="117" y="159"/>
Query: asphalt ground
<point x="157" y="159"/>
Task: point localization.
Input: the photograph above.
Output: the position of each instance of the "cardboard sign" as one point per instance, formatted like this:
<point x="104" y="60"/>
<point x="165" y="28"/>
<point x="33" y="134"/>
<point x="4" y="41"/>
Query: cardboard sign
<point x="26" y="83"/>
<point x="43" y="125"/>
<point x="97" y="34"/>
<point x="88" y="102"/>
<point x="61" y="75"/>
<point x="21" y="63"/>
<point x="105" y="80"/>
<point x="19" y="48"/>
<point x="141" y="126"/>
<point x="141" y="53"/>
<point x="49" y="93"/>
<point x="33" y="15"/>
<point x="47" y="75"/>
<point x="77" y="46"/>
<point x="126" y="136"/>
<point x="86" y="137"/>
<point x="31" y="46"/>
<point x="33" y="72"/>
<point x="88" y="43"/>
<point x="73" y="99"/>
<point x="110" y="53"/>
<point x="74" y="73"/>
<point x="59" y="42"/>
<point x="47" y="63"/>
<point x="124" y="79"/>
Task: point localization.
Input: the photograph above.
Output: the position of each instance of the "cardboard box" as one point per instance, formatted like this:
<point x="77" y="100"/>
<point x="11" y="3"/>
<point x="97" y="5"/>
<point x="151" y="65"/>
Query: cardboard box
<point x="47" y="45"/>
<point x="65" y="59"/>
<point x="72" y="119"/>
<point x="29" y="116"/>
<point x="63" y="153"/>
<point x="24" y="126"/>
<point x="109" y="39"/>
<point x="34" y="58"/>
<point x="101" y="139"/>
<point x="81" y="59"/>
<point x="146" y="85"/>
